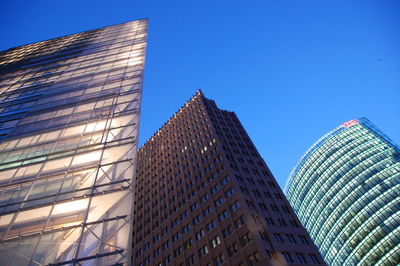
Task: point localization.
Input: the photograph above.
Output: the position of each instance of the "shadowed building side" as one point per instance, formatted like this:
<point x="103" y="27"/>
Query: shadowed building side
<point x="204" y="196"/>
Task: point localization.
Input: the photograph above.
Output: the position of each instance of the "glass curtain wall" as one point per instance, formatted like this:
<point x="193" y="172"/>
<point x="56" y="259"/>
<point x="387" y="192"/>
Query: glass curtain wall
<point x="345" y="190"/>
<point x="68" y="138"/>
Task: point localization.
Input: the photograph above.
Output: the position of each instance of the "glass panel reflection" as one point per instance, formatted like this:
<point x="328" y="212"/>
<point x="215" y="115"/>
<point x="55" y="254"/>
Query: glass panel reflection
<point x="68" y="129"/>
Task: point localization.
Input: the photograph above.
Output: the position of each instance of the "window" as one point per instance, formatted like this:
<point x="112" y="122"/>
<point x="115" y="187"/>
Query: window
<point x="211" y="178"/>
<point x="139" y="252"/>
<point x="263" y="235"/>
<point x="184" y="215"/>
<point x="235" y="206"/>
<point x="219" y="201"/>
<point x="240" y="221"/>
<point x="219" y="260"/>
<point x="222" y="216"/>
<point x="267" y="194"/>
<point x="262" y="206"/>
<point x="244" y="190"/>
<point x="200" y="234"/>
<point x="287" y="257"/>
<point x="203" y="251"/>
<point x="175" y="222"/>
<point x="215" y="242"/>
<point x="204" y="198"/>
<point x="256" y="219"/>
<point x="250" y="203"/>
<point x="233" y="249"/>
<point x="215" y="189"/>
<point x="300" y="258"/>
<point x="157" y="252"/>
<point x="274" y="208"/>
<point x="256" y="193"/>
<point x="278" y="238"/>
<point x="261" y="182"/>
<point x="229" y="192"/>
<point x="197" y="219"/>
<point x="207" y="211"/>
<point x="178" y="251"/>
<point x="211" y="225"/>
<point x="188" y="243"/>
<point x="291" y="239"/>
<point x="285" y="209"/>
<point x="253" y="258"/>
<point x="186" y="229"/>
<point x="165" y="245"/>
<point x="194" y="206"/>
<point x="225" y="180"/>
<point x="227" y="231"/>
<point x="147" y="260"/>
<point x="269" y="254"/>
<point x="251" y="180"/>
<point x="176" y="236"/>
<point x="282" y="222"/>
<point x="156" y="238"/>
<point x="303" y="240"/>
<point x="272" y="184"/>
<point x="239" y="178"/>
<point x="294" y="223"/>
<point x="167" y="260"/>
<point x="190" y="260"/>
<point x="269" y="221"/>
<point x="246" y="239"/>
<point x="314" y="259"/>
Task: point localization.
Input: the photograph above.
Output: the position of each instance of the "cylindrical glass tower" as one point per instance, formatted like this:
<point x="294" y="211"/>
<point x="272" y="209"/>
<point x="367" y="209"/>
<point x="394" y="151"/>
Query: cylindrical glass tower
<point x="346" y="191"/>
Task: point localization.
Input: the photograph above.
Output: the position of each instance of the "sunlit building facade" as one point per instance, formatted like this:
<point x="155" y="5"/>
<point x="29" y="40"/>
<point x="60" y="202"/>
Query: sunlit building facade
<point x="204" y="196"/>
<point x="68" y="135"/>
<point x="345" y="191"/>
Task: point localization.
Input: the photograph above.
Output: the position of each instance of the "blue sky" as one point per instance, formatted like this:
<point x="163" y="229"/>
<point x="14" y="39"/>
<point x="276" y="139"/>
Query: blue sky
<point x="291" y="70"/>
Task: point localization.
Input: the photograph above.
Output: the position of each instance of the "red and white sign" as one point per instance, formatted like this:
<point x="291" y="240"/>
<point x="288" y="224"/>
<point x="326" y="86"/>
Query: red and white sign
<point x="350" y="123"/>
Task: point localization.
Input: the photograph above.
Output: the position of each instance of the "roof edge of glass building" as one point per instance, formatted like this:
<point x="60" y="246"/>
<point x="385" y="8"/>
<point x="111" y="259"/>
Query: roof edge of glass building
<point x="344" y="190"/>
<point x="78" y="32"/>
<point x="363" y="120"/>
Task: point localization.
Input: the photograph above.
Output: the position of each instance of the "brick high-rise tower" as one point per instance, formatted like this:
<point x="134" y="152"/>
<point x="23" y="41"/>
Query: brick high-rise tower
<point x="204" y="196"/>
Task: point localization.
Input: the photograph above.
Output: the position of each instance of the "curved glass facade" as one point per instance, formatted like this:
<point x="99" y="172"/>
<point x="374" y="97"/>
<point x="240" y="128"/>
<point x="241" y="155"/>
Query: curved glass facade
<point x="346" y="191"/>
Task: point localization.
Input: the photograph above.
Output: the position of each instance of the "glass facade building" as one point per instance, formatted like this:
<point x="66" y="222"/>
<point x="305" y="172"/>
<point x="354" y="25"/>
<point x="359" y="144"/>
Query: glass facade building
<point x="68" y="137"/>
<point x="345" y="191"/>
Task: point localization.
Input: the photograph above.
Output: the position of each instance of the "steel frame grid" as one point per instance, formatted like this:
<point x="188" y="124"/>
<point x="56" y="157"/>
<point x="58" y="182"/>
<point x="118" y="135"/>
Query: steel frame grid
<point x="64" y="218"/>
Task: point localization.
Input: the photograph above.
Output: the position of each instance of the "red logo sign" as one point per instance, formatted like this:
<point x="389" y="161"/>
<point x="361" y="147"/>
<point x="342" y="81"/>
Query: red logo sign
<point x="350" y="123"/>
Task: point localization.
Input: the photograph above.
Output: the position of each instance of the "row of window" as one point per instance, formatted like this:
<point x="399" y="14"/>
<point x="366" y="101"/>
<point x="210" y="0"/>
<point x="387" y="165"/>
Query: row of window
<point x="202" y="251"/>
<point x="207" y="210"/>
<point x="300" y="258"/>
<point x="180" y="192"/>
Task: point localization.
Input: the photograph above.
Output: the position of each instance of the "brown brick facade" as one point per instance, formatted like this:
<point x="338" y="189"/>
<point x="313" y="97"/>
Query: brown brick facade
<point x="204" y="196"/>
